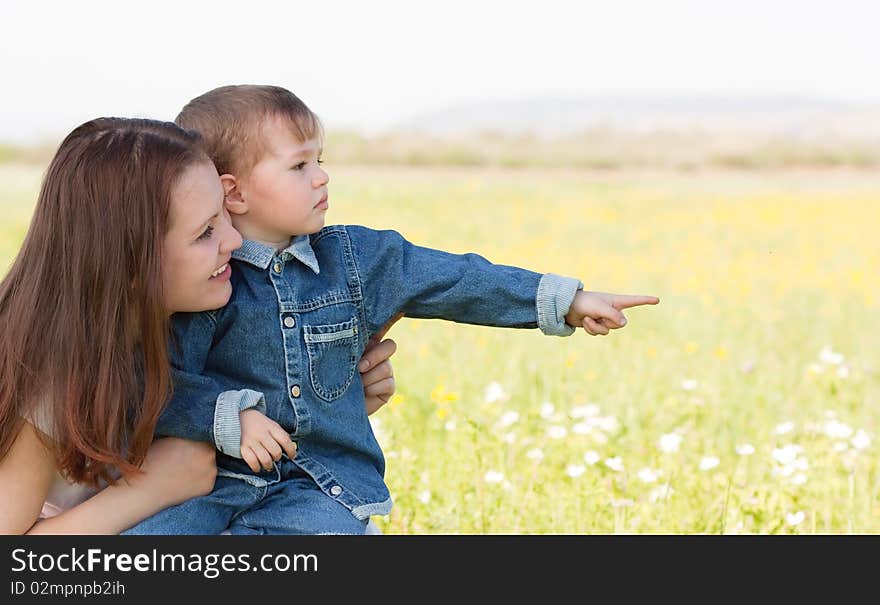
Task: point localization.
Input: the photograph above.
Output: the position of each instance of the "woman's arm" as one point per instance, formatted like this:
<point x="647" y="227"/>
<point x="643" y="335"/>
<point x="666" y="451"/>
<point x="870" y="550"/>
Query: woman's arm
<point x="174" y="470"/>
<point x="26" y="473"/>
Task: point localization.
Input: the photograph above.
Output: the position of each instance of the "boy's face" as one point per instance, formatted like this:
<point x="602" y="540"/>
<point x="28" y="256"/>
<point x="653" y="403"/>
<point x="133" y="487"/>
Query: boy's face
<point x="286" y="191"/>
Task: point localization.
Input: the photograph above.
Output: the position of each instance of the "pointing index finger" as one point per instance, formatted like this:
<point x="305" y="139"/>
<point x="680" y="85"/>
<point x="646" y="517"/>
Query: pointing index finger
<point x="625" y="301"/>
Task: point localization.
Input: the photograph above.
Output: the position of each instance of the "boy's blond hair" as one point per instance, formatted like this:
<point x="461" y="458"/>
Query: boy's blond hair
<point x="230" y="120"/>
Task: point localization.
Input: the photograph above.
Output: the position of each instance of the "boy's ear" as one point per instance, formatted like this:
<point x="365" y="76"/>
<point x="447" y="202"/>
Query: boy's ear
<point x="232" y="199"/>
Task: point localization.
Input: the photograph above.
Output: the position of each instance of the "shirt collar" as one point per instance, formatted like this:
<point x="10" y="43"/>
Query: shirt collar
<point x="260" y="255"/>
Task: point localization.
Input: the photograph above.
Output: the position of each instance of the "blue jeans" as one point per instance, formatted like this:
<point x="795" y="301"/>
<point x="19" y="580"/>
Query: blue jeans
<point x="292" y="504"/>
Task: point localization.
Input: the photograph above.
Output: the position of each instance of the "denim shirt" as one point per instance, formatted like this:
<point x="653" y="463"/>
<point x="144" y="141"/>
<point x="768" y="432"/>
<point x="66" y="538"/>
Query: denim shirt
<point x="289" y="340"/>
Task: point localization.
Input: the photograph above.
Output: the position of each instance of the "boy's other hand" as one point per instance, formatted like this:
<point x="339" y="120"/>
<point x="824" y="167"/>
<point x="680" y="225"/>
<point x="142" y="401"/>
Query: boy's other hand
<point x="600" y="312"/>
<point x="263" y="440"/>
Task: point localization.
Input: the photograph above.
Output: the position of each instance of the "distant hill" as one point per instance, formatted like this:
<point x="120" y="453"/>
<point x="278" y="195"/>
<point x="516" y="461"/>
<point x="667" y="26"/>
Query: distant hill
<point x="790" y="117"/>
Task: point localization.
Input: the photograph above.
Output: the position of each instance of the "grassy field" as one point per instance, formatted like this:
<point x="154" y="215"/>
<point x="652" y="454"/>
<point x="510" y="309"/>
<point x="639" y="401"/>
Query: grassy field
<point x="746" y="402"/>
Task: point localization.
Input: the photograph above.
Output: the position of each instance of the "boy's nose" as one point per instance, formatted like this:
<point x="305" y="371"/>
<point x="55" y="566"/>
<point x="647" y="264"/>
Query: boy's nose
<point x="322" y="179"/>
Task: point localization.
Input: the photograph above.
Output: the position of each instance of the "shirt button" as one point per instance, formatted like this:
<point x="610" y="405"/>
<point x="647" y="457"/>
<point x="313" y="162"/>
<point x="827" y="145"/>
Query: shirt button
<point x="289" y="322"/>
<point x="295" y="390"/>
<point x="277" y="267"/>
<point x="335" y="490"/>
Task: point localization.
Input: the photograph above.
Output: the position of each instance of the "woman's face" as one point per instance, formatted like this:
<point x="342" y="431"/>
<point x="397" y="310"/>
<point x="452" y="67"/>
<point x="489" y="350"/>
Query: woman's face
<point x="198" y="244"/>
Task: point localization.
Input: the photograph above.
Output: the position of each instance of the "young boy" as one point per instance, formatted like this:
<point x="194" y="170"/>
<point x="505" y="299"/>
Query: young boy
<point x="277" y="363"/>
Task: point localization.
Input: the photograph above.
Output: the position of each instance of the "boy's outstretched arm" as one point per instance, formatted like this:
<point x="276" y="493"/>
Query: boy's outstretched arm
<point x="398" y="276"/>
<point x="599" y="312"/>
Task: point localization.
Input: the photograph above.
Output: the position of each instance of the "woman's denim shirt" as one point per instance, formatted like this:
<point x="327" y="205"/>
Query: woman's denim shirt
<point x="289" y="340"/>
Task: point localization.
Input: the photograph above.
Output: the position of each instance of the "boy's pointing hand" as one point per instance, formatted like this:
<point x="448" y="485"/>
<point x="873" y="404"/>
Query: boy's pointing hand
<point x="599" y="312"/>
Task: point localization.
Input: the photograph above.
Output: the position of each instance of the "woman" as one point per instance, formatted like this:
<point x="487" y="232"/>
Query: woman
<point x="84" y="319"/>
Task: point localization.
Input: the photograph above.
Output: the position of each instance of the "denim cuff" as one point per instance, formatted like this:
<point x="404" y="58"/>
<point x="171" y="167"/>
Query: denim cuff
<point x="227" y="424"/>
<point x="554" y="298"/>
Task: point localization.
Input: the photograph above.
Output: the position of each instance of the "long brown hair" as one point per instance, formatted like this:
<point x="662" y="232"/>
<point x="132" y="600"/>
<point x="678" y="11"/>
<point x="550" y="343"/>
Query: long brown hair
<point x="83" y="328"/>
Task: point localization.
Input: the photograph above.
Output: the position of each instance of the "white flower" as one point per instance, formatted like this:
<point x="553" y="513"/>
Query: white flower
<point x="608" y="424"/>
<point x="746" y="449"/>
<point x="861" y="440"/>
<point x="535" y="454"/>
<point x="795" y="518"/>
<point x="837" y="430"/>
<point x="800" y="464"/>
<point x="784" y="471"/>
<point x="591" y="457"/>
<point x="585" y="411"/>
<point x="661" y="492"/>
<point x="840" y="446"/>
<point x="508" y="418"/>
<point x="670" y="442"/>
<point x="424" y="496"/>
<point x="575" y="470"/>
<point x="648" y="475"/>
<point x="547" y="410"/>
<point x="787" y="453"/>
<point x="784" y="427"/>
<point x="689" y="384"/>
<point x="799" y="479"/>
<point x="494" y="392"/>
<point x="615" y="464"/>
<point x="582" y="428"/>
<point x="494" y="477"/>
<point x="510" y="438"/>
<point x="450" y="425"/>
<point x="827" y="356"/>
<point x="843" y="372"/>
<point x="708" y="463"/>
<point x="600" y="438"/>
<point x="557" y="432"/>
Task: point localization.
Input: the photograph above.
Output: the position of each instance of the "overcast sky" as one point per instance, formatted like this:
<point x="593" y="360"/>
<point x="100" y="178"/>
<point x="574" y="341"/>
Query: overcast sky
<point x="369" y="64"/>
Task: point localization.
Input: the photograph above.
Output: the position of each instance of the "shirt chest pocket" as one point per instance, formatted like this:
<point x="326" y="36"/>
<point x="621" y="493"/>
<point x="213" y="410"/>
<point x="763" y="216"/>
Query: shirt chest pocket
<point x="333" y="354"/>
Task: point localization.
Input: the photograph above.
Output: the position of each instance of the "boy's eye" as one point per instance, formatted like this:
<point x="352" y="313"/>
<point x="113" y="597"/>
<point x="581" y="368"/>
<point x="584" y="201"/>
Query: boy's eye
<point x="320" y="161"/>
<point x="206" y="234"/>
<point x="300" y="166"/>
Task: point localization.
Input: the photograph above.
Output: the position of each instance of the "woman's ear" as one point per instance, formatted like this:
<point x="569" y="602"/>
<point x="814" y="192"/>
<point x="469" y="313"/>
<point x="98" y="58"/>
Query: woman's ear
<point x="232" y="198"/>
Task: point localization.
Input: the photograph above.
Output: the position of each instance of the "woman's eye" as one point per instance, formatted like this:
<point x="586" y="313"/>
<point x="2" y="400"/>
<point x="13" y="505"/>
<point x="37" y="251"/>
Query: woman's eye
<point x="206" y="234"/>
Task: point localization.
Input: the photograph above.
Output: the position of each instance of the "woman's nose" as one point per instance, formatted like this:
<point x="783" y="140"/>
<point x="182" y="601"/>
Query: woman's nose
<point x="231" y="240"/>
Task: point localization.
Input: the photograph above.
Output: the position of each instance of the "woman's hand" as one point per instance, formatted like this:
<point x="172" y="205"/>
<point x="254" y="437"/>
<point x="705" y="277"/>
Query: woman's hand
<point x="377" y="374"/>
